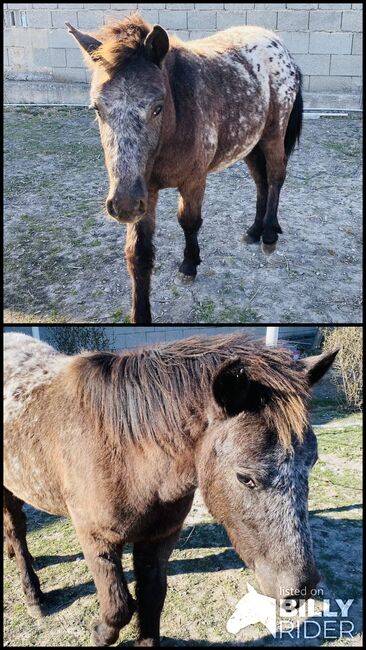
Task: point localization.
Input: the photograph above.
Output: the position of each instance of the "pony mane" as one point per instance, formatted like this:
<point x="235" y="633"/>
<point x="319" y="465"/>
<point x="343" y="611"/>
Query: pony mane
<point x="121" y="41"/>
<point x="160" y="391"/>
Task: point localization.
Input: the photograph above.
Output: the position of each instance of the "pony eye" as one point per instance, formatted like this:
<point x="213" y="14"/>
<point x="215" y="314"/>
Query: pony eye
<point x="246" y="480"/>
<point x="157" y="110"/>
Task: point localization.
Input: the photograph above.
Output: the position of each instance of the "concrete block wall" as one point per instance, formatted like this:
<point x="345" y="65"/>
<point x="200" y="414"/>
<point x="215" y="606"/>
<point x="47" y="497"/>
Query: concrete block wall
<point x="125" y="337"/>
<point x="325" y="39"/>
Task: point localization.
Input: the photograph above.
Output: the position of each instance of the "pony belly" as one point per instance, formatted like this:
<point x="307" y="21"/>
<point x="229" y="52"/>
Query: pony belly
<point x="238" y="152"/>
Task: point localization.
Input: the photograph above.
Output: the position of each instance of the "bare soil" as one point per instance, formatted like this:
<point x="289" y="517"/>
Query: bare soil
<point x="64" y="260"/>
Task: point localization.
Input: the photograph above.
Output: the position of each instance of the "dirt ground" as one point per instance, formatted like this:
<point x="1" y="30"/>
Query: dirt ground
<point x="64" y="260"/>
<point x="206" y="578"/>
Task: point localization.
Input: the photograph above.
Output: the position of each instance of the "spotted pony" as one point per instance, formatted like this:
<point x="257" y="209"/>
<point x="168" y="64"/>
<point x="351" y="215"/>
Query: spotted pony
<point x="170" y="112"/>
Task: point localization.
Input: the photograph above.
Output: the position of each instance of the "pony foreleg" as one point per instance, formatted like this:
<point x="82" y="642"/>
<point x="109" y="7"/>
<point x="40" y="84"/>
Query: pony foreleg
<point x="257" y="167"/>
<point x="16" y="530"/>
<point x="189" y="217"/>
<point x="116" y="603"/>
<point x="150" y="566"/>
<point x="139" y="252"/>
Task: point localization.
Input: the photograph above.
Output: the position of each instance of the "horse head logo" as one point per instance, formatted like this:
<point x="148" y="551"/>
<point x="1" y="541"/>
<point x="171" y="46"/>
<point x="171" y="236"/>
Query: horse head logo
<point x="253" y="608"/>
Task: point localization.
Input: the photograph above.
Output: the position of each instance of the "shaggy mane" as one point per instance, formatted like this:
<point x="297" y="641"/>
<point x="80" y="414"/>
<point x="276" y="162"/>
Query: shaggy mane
<point x="162" y="391"/>
<point x="121" y="41"/>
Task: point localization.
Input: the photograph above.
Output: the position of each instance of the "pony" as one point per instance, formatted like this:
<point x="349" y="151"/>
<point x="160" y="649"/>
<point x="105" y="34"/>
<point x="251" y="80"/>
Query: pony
<point x="170" y="112"/>
<point x="119" y="442"/>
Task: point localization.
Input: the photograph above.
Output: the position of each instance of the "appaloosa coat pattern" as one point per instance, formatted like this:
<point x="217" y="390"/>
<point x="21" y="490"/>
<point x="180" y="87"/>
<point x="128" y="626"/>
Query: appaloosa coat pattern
<point x="119" y="442"/>
<point x="170" y="112"/>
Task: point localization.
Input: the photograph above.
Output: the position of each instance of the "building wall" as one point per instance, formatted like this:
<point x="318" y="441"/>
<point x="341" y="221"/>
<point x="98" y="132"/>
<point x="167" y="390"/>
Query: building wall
<point x="42" y="59"/>
<point x="127" y="337"/>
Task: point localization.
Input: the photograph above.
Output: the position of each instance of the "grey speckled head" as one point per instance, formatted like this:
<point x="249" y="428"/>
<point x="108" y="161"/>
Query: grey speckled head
<point x="127" y="93"/>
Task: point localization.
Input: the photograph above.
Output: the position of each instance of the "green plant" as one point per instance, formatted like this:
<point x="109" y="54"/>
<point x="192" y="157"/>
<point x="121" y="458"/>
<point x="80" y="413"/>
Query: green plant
<point x="347" y="371"/>
<point x="72" y="339"/>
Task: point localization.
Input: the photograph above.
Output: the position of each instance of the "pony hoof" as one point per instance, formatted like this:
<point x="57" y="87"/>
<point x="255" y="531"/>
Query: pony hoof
<point x="268" y="249"/>
<point x="186" y="279"/>
<point x="35" y="611"/>
<point x="250" y="239"/>
<point x="147" y="643"/>
<point x="188" y="269"/>
<point x="103" y="635"/>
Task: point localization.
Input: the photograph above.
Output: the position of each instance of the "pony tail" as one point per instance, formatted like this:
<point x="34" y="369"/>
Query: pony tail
<point x="294" y="126"/>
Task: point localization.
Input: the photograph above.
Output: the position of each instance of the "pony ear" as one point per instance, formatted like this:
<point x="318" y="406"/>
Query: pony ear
<point x="156" y="45"/>
<point x="86" y="42"/>
<point x="230" y="387"/>
<point x="316" y="367"/>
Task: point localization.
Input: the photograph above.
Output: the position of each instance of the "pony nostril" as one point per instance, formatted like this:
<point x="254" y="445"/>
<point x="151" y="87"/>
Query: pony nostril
<point x="141" y="206"/>
<point x="110" y="208"/>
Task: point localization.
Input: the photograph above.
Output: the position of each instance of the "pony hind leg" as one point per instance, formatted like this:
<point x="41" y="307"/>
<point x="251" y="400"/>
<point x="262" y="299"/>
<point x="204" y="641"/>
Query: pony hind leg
<point x="16" y="530"/>
<point x="276" y="163"/>
<point x="257" y="166"/>
<point x="189" y="217"/>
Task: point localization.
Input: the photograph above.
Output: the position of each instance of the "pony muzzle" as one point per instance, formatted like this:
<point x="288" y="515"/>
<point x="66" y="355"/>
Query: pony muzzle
<point x="128" y="206"/>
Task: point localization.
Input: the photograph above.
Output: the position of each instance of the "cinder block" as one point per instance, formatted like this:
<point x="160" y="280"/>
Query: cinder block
<point x="39" y="18"/>
<point x="302" y="5"/>
<point x="60" y="17"/>
<point x="151" y="15"/>
<point x="270" y="5"/>
<point x="70" y="5"/>
<point x="13" y="35"/>
<point x="352" y="21"/>
<point x="357" y="44"/>
<point x="90" y="19"/>
<point x="154" y="5"/>
<point x="6" y="57"/>
<point x="202" y="20"/>
<point x="183" y="34"/>
<point x="38" y="38"/>
<point x="238" y="6"/>
<point x="314" y="64"/>
<point x="263" y="18"/>
<point x="61" y="38"/>
<point x="297" y="42"/>
<point x="128" y="5"/>
<point x="328" y="21"/>
<point x="58" y="57"/>
<point x="346" y="64"/>
<point x="69" y="74"/>
<point x="41" y="58"/>
<point x="334" y="5"/>
<point x="97" y="5"/>
<point x="231" y="18"/>
<point x="357" y="83"/>
<point x="41" y="5"/>
<point x="111" y="16"/>
<point x="174" y="19"/>
<point x="19" y="5"/>
<point x="326" y="83"/>
<point x="206" y="6"/>
<point x="155" y="337"/>
<point x="305" y="82"/>
<point x="74" y="59"/>
<point x="293" y="20"/>
<point x="196" y="33"/>
<point x="327" y="43"/>
<point x="357" y="5"/>
<point x="16" y="57"/>
<point x="178" y="6"/>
